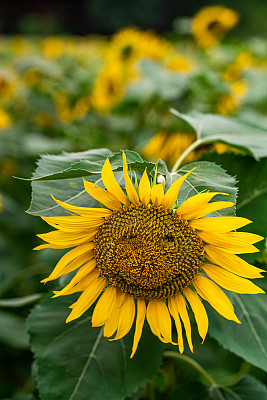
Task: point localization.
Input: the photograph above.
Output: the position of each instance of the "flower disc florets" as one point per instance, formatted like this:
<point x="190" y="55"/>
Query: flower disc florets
<point x="148" y="252"/>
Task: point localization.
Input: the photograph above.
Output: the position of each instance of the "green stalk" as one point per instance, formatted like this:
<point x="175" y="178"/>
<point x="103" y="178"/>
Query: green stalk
<point x="193" y="363"/>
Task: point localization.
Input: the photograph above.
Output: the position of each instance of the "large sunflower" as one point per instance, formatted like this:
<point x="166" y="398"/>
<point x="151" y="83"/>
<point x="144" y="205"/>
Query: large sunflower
<point x="148" y="258"/>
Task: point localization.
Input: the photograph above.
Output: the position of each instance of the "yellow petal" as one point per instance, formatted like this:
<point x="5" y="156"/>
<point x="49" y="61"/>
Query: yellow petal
<point x="195" y="203"/>
<point x="219" y="224"/>
<point x="232" y="263"/>
<point x="144" y="189"/>
<point x="231" y="281"/>
<point x="80" y="274"/>
<point x="84" y="211"/>
<point x="234" y="246"/>
<point x="172" y="193"/>
<point x="232" y="238"/>
<point x="159" y="320"/>
<point x="49" y="246"/>
<point x="208" y="209"/>
<point x="172" y="304"/>
<point x="83" y="249"/>
<point x="74" y="223"/>
<point x="83" y="278"/>
<point x="111" y="184"/>
<point x="126" y="317"/>
<point x="133" y="196"/>
<point x="102" y="195"/>
<point x="87" y="298"/>
<point x="199" y="312"/>
<point x="157" y="194"/>
<point x="111" y="324"/>
<point x="140" y="319"/>
<point x="65" y="239"/>
<point x="185" y="318"/>
<point x="104" y="306"/>
<point x="210" y="292"/>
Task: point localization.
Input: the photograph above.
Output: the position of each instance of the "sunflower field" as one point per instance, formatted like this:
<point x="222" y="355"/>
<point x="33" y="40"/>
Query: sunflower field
<point x="141" y="162"/>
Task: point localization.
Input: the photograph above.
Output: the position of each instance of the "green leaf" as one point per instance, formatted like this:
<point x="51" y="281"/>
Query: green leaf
<point x="61" y="176"/>
<point x="251" y="139"/>
<point x="207" y="176"/>
<point x="252" y="193"/>
<point x="193" y="390"/>
<point x="248" y="388"/>
<point x="13" y="330"/>
<point x="75" y="360"/>
<point x="248" y="339"/>
<point x="157" y="81"/>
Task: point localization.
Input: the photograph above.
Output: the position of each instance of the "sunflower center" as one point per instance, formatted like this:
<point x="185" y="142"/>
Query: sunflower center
<point x="126" y="52"/>
<point x="148" y="252"/>
<point x="215" y="27"/>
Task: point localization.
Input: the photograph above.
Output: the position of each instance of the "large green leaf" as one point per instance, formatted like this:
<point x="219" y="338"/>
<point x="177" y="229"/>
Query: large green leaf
<point x="61" y="176"/>
<point x="75" y="361"/>
<point x="248" y="388"/>
<point x="248" y="339"/>
<point x="252" y="194"/>
<point x="251" y="139"/>
<point x="207" y="176"/>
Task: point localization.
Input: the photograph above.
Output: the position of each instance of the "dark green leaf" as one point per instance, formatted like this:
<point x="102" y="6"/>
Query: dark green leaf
<point x="251" y="139"/>
<point x="53" y="175"/>
<point x="190" y="391"/>
<point x="13" y="330"/>
<point x="248" y="388"/>
<point x="248" y="339"/>
<point x="207" y="176"/>
<point x="75" y="361"/>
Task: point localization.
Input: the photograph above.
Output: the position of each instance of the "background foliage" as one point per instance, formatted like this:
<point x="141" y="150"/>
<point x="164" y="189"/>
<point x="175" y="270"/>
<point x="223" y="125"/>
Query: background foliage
<point x="65" y="97"/>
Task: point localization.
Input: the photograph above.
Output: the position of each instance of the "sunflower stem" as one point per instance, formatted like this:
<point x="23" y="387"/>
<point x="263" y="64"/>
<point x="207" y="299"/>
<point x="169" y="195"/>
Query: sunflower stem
<point x="193" y="363"/>
<point x="180" y="160"/>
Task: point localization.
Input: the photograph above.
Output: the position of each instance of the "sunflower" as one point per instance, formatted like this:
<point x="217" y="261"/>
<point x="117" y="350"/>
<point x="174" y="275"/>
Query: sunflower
<point x="169" y="146"/>
<point x="211" y="23"/>
<point x="109" y="87"/>
<point x="5" y="120"/>
<point x="144" y="257"/>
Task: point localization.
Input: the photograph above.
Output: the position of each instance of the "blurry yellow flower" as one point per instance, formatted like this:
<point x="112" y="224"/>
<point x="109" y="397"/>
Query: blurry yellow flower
<point x="8" y="168"/>
<point x="177" y="63"/>
<point x="211" y="23"/>
<point x="20" y="45"/>
<point x="130" y="45"/>
<point x="81" y="107"/>
<point x="109" y="87"/>
<point x="32" y="77"/>
<point x="44" y="119"/>
<point x="53" y="46"/>
<point x="5" y="120"/>
<point x="222" y="148"/>
<point x="70" y="112"/>
<point x="169" y="147"/>
<point x="230" y="102"/>
<point x="242" y="62"/>
<point x="142" y="256"/>
<point x="7" y="85"/>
